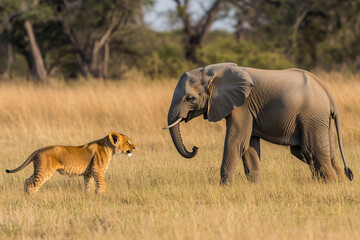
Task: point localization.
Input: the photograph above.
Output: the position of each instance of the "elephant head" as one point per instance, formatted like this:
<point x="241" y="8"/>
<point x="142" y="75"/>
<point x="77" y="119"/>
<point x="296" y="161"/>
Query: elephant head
<point x="212" y="91"/>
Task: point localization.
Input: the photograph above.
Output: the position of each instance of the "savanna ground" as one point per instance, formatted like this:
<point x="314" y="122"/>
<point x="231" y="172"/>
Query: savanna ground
<point x="156" y="194"/>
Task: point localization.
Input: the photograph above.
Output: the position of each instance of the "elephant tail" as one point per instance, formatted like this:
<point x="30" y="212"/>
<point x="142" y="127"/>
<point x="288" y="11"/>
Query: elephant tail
<point x="336" y="116"/>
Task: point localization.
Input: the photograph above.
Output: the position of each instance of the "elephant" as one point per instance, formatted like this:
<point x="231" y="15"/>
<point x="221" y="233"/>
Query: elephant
<point x="290" y="107"/>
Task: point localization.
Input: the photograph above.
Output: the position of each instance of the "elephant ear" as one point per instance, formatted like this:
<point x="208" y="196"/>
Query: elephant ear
<point x="229" y="87"/>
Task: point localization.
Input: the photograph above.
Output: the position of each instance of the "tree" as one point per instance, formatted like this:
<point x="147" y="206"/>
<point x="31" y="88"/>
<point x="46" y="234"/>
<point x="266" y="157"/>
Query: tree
<point x="307" y="31"/>
<point x="195" y="32"/>
<point x="35" y="58"/>
<point x="90" y="26"/>
<point x="248" y="15"/>
<point x="20" y="14"/>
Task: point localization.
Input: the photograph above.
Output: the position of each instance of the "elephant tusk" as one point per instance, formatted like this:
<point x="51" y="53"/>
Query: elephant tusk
<point x="170" y="126"/>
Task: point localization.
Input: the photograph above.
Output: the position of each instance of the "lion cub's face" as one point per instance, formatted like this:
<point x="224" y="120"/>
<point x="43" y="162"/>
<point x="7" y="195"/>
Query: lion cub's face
<point x="122" y="143"/>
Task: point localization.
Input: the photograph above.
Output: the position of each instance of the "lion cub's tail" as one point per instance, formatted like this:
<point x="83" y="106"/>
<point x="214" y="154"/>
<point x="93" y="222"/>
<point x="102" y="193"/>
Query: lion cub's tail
<point x="28" y="160"/>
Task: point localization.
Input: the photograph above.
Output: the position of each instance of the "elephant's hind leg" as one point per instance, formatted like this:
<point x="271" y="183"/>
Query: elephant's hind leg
<point x="297" y="152"/>
<point x="319" y="157"/>
<point x="322" y="169"/>
<point x="251" y="160"/>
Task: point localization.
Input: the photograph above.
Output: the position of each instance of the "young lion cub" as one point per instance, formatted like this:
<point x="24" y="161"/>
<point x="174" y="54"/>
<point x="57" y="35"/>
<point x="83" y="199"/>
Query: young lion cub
<point x="90" y="160"/>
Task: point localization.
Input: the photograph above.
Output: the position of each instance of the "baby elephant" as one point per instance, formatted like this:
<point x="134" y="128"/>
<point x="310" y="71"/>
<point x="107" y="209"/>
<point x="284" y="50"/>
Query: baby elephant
<point x="90" y="160"/>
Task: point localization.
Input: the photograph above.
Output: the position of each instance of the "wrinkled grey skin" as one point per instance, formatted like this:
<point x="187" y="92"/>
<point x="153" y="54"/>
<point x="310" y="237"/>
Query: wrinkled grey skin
<point x="288" y="107"/>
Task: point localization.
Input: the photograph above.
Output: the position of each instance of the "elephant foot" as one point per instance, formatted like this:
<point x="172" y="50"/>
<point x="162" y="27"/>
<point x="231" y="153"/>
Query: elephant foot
<point x="225" y="180"/>
<point x="254" y="178"/>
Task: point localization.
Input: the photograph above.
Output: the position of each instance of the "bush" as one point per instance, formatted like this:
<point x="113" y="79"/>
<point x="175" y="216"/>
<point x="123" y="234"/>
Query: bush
<point x="225" y="49"/>
<point x="167" y="61"/>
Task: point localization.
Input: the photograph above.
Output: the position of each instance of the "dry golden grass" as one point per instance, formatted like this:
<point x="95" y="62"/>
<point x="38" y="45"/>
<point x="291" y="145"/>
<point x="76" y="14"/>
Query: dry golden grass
<point x="156" y="194"/>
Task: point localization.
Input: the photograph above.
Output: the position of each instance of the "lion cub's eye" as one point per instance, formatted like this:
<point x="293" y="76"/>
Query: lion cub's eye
<point x="190" y="99"/>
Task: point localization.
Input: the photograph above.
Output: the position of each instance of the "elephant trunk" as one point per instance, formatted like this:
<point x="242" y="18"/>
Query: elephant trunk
<point x="177" y="139"/>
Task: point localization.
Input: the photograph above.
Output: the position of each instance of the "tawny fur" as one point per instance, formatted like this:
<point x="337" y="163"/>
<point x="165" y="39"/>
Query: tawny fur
<point x="90" y="161"/>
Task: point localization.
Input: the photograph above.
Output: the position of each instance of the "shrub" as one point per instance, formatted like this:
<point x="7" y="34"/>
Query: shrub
<point x="226" y="49"/>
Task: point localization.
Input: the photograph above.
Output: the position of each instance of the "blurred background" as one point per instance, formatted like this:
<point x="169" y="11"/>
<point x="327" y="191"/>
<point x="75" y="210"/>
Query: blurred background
<point x="90" y="39"/>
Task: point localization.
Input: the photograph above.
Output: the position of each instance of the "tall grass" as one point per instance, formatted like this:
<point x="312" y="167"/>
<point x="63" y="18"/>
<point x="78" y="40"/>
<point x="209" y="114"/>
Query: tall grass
<point x="156" y="194"/>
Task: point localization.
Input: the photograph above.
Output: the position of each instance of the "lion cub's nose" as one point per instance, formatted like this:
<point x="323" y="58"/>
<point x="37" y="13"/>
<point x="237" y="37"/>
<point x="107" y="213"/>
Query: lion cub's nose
<point x="128" y="153"/>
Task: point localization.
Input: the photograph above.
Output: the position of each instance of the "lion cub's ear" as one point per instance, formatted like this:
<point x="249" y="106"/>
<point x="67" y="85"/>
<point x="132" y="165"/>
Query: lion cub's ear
<point x="114" y="137"/>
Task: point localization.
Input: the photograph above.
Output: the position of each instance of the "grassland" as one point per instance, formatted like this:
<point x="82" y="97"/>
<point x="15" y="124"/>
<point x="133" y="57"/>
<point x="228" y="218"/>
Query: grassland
<point x="156" y="194"/>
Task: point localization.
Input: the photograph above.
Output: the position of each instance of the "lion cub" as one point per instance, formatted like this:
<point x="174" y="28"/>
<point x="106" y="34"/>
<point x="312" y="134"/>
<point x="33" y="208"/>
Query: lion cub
<point x="90" y="160"/>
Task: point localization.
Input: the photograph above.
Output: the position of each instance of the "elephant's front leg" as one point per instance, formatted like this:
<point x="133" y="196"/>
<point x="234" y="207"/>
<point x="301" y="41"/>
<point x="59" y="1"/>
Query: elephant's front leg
<point x="238" y="134"/>
<point x="251" y="160"/>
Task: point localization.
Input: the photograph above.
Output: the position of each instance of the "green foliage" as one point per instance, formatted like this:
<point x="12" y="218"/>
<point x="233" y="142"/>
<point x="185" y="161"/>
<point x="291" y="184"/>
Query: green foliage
<point x="163" y="56"/>
<point x="160" y="56"/>
<point x="342" y="47"/>
<point x="223" y="48"/>
<point x="310" y="32"/>
<point x="327" y="37"/>
<point x="168" y="61"/>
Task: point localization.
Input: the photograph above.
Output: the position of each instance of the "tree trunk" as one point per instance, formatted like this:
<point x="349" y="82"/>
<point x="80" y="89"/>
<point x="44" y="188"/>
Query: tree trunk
<point x="195" y="34"/>
<point x="80" y="52"/>
<point x="95" y="68"/>
<point x="83" y="65"/>
<point x="299" y="20"/>
<point x="37" y="66"/>
<point x="105" y="73"/>
<point x="9" y="60"/>
<point x="190" y="48"/>
<point x="239" y="30"/>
